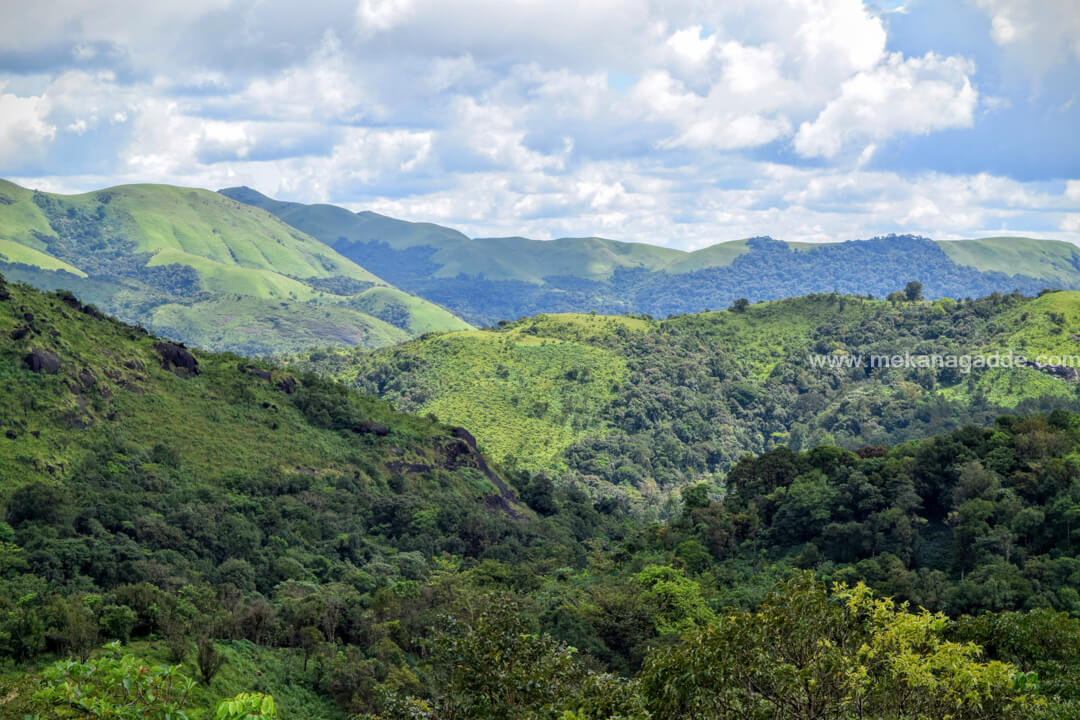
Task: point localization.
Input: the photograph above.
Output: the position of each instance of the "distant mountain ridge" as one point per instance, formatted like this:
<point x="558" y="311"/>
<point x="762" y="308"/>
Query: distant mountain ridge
<point x="489" y="279"/>
<point x="199" y="267"/>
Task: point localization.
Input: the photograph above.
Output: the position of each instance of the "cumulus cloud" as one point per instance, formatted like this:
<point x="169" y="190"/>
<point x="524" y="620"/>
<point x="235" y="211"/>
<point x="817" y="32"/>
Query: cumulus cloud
<point x="673" y="122"/>
<point x="23" y="127"/>
<point x="1041" y="32"/>
<point x="902" y="95"/>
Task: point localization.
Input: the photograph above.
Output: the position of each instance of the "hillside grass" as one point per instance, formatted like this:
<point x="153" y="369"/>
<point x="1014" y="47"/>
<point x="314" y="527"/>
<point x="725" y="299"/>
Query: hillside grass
<point x="259" y="326"/>
<point x="216" y="420"/>
<point x="525" y="393"/>
<point x="1054" y="260"/>
<point x="13" y="252"/>
<point x="237" y="251"/>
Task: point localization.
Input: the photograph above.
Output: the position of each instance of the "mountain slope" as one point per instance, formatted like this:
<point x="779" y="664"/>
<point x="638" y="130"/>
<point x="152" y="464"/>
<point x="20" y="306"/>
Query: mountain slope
<point x="488" y="279"/>
<point x="1056" y="262"/>
<point x="636" y="405"/>
<point x="168" y="257"/>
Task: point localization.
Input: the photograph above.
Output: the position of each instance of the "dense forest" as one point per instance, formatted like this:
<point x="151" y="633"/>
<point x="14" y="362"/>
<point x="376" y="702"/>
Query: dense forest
<point x="634" y="407"/>
<point x="768" y="271"/>
<point x="187" y="534"/>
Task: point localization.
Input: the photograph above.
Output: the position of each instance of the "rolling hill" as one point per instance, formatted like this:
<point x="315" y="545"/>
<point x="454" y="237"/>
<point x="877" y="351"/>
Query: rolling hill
<point x="638" y="406"/>
<point x="205" y="269"/>
<point x="488" y="279"/>
<point x="264" y="529"/>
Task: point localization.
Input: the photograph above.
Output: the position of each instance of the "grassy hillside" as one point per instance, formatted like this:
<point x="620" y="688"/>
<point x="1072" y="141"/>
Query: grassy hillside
<point x="133" y="470"/>
<point x="639" y="405"/>
<point x="168" y="256"/>
<point x="267" y="530"/>
<point x="486" y="280"/>
<point x="1054" y="261"/>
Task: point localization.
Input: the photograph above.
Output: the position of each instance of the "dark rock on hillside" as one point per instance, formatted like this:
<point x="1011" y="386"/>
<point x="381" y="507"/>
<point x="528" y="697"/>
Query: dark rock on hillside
<point x="42" y="361"/>
<point x="177" y="358"/>
<point x="287" y="385"/>
<point x="1065" y="372"/>
<point x="463" y="434"/>
<point x="371" y="427"/>
<point x="20" y="332"/>
<point x="257" y="372"/>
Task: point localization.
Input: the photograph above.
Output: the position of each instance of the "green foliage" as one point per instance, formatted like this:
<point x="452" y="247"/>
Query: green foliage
<point x="114" y="686"/>
<point x="809" y="653"/>
<point x="246" y="706"/>
<point x="636" y="409"/>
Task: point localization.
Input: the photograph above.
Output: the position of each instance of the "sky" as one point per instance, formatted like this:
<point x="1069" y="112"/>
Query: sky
<point x="674" y="123"/>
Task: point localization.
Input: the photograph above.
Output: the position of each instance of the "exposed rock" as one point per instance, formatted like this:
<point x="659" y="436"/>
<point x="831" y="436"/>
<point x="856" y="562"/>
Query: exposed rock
<point x="463" y="434"/>
<point x="176" y="357"/>
<point x="20" y="332"/>
<point x="287" y="384"/>
<point x="42" y="361"/>
<point x="372" y="427"/>
<point x="70" y="300"/>
<point x="134" y="364"/>
<point x="87" y="379"/>
<point x="11" y="434"/>
<point x="1064" y="372"/>
<point x="4" y="294"/>
<point x="257" y="372"/>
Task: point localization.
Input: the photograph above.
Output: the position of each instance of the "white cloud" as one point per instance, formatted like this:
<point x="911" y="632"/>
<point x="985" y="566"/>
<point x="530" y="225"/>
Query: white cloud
<point x="1072" y="190"/>
<point x="499" y="117"/>
<point x="689" y="44"/>
<point x="1071" y="223"/>
<point x="376" y="16"/>
<point x="913" y="95"/>
<point x="23" y="128"/>
<point x="1041" y="32"/>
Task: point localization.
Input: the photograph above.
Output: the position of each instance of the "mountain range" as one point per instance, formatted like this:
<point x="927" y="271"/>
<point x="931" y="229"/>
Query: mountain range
<point x="640" y="407"/>
<point x="236" y="270"/>
<point x="485" y="280"/>
<point x="197" y="266"/>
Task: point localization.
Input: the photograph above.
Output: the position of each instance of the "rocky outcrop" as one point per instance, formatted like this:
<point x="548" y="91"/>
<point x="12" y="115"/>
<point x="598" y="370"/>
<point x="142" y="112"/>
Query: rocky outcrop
<point x="42" y="361"/>
<point x="371" y="427"/>
<point x="176" y="357"/>
<point x="1064" y="372"/>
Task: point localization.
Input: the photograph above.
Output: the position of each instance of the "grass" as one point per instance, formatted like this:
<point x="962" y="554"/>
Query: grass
<point x="524" y="393"/>
<point x="258" y="326"/>
<point x="1050" y="259"/>
<point x="216" y="420"/>
<point x="243" y="256"/>
<point x="423" y="316"/>
<point x="13" y="252"/>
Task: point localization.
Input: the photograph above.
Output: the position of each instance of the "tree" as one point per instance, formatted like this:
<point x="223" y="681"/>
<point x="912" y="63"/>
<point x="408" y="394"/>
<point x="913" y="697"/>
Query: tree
<point x="811" y="653"/>
<point x="739" y="305"/>
<point x="310" y="639"/>
<point x="115" y="686"/>
<point x="913" y="291"/>
<point x="208" y="658"/>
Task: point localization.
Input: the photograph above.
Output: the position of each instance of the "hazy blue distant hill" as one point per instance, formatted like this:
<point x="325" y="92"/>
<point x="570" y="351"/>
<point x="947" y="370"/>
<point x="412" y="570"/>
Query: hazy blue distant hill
<point x="488" y="279"/>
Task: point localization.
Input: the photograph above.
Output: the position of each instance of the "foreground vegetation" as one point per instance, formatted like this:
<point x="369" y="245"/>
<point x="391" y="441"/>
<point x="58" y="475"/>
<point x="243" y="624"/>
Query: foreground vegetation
<point x="184" y="534"/>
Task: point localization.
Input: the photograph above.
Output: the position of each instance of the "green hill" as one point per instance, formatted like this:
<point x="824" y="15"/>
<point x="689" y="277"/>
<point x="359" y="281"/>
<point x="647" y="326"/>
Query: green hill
<point x="1054" y="261"/>
<point x="266" y="530"/>
<point x="485" y="280"/>
<point x="640" y="405"/>
<point x="169" y="257"/>
<point x="132" y="468"/>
